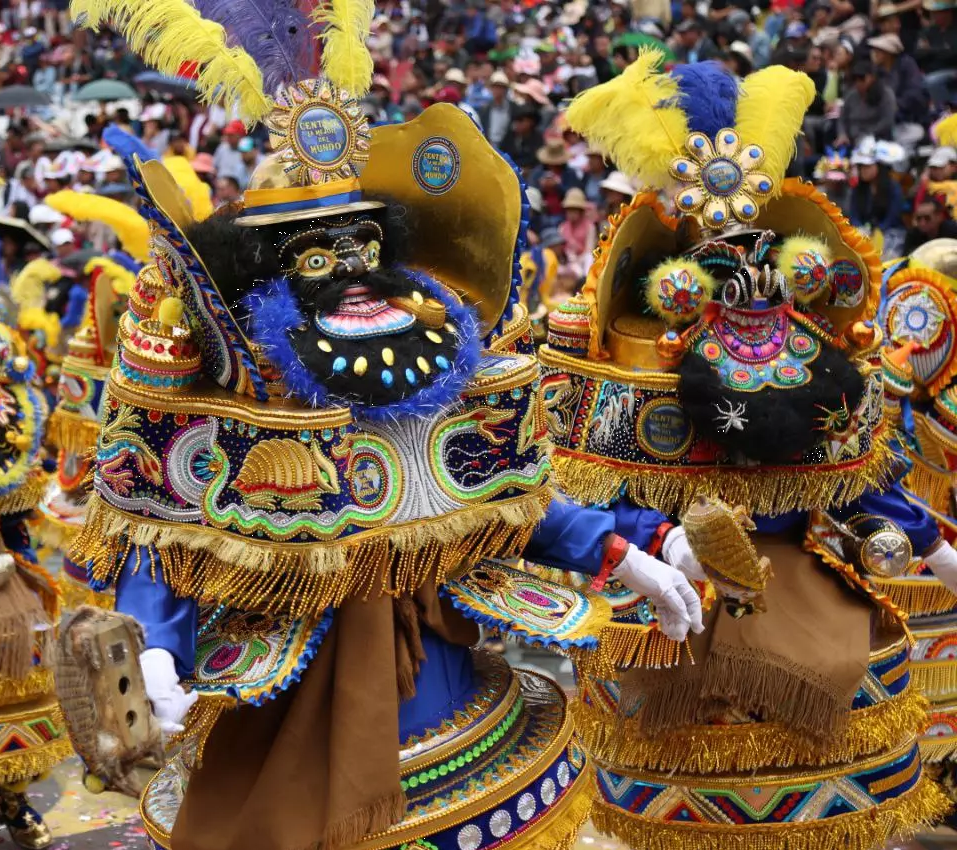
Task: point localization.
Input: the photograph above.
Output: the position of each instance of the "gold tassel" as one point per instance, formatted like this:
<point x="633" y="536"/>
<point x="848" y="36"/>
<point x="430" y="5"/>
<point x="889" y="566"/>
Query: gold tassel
<point x="918" y="596"/>
<point x="622" y="645"/>
<point x="933" y="484"/>
<point x="902" y="816"/>
<point x="52" y="532"/>
<point x="935" y="749"/>
<point x="27" y="496"/>
<point x="937" y="679"/>
<point x="590" y="479"/>
<point x="299" y="580"/>
<point x="893" y="614"/>
<point x="75" y="593"/>
<point x="742" y="747"/>
<point x="72" y="433"/>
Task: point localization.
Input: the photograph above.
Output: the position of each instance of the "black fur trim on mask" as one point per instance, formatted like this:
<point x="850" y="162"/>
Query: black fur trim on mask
<point x="237" y="258"/>
<point x="407" y="347"/>
<point x="782" y="424"/>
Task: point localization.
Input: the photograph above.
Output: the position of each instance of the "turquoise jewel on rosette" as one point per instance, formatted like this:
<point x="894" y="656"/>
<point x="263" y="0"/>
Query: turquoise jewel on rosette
<point x="720" y="180"/>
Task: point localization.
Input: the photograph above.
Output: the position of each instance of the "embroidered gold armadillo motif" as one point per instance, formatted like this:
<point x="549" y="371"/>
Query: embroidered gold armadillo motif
<point x="286" y="473"/>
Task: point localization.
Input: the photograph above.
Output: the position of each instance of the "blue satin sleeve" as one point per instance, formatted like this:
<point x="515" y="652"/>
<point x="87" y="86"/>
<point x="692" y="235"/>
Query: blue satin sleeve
<point x="570" y="538"/>
<point x="637" y="525"/>
<point x="573" y="538"/>
<point x="170" y="622"/>
<point x="445" y="684"/>
<point x="920" y="528"/>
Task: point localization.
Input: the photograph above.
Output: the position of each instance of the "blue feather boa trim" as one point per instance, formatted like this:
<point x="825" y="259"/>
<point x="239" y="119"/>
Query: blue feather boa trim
<point x="275" y="312"/>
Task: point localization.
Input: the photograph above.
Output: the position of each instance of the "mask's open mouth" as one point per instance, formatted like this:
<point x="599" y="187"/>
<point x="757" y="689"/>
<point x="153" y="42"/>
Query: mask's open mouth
<point x="410" y="352"/>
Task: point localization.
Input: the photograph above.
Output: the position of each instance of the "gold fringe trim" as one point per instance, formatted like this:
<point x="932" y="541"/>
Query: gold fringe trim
<point x="71" y="432"/>
<point x="934" y="749"/>
<point x="27" y="496"/>
<point x="200" y="720"/>
<point x="937" y="679"/>
<point x="75" y="593"/>
<point x="37" y="683"/>
<point x="52" y="532"/>
<point x="918" y="596"/>
<point x="932" y="484"/>
<point x="29" y="764"/>
<point x="743" y="747"/>
<point x="300" y="580"/>
<point x="591" y="479"/>
<point x="924" y="805"/>
<point x="623" y="646"/>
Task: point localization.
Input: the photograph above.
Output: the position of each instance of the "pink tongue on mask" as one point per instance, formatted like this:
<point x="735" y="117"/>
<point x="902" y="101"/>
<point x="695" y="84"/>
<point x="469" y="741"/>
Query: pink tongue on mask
<point x="359" y="316"/>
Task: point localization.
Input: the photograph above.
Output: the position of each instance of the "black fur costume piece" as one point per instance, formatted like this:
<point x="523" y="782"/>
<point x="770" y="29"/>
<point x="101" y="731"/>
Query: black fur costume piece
<point x="240" y="258"/>
<point x="782" y="424"/>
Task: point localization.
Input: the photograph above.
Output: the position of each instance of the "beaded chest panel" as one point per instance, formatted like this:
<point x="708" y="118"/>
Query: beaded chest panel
<point x="281" y="473"/>
<point x="618" y="430"/>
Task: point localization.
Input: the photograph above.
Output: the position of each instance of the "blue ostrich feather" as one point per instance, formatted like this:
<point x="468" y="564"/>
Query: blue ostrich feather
<point x="125" y="144"/>
<point x="275" y="33"/>
<point x="121" y="258"/>
<point x="75" y="305"/>
<point x="708" y="96"/>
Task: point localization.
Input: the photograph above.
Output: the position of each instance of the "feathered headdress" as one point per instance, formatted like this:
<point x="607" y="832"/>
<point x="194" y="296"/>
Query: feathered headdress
<point x="130" y="228"/>
<point x="245" y="50"/>
<point x="726" y="146"/>
<point x="28" y="288"/>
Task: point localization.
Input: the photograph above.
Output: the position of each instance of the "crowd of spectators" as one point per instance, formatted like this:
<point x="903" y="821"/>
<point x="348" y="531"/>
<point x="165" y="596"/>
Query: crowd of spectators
<point x="885" y="75"/>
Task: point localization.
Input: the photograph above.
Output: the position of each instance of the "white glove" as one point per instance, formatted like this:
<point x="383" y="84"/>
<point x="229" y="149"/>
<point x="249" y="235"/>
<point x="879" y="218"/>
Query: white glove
<point x="943" y="561"/>
<point x="170" y="701"/>
<point x="676" y="603"/>
<point x="677" y="552"/>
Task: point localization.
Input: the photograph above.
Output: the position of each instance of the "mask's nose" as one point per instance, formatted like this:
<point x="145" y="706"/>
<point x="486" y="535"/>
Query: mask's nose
<point x="349" y="266"/>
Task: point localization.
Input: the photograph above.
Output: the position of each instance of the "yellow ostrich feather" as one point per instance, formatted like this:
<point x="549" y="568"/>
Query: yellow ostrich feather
<point x="946" y="131"/>
<point x="771" y="107"/>
<point x="167" y="33"/>
<point x="346" y="60"/>
<point x="121" y="280"/>
<point x="28" y="288"/>
<point x="635" y="119"/>
<point x="196" y="191"/>
<point x="38" y="319"/>
<point x="128" y="225"/>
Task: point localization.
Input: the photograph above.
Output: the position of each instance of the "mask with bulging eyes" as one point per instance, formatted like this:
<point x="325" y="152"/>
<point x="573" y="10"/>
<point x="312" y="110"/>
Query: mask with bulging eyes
<point x="372" y="333"/>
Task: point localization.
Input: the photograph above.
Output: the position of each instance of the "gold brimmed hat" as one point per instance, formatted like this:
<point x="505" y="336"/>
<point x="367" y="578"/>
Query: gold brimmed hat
<point x="321" y="142"/>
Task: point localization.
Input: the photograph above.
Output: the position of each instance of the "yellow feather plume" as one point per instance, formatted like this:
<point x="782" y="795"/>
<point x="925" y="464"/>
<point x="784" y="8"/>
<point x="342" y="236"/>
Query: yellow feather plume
<point x="771" y="107"/>
<point x="121" y="280"/>
<point x="29" y="287"/>
<point x="197" y="192"/>
<point x="128" y="225"/>
<point x="38" y="319"/>
<point x="346" y="60"/>
<point x="167" y="33"/>
<point x="635" y="119"/>
<point x="946" y="131"/>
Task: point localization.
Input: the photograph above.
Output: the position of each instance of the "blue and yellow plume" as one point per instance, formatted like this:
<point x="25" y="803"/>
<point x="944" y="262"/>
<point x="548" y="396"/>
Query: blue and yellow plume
<point x="645" y="119"/>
